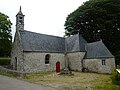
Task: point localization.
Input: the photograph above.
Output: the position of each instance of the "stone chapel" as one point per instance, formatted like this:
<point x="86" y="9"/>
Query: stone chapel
<point x="34" y="52"/>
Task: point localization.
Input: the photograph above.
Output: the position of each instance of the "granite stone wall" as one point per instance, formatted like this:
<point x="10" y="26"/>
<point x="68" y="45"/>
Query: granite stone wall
<point x="75" y="60"/>
<point x="35" y="62"/>
<point x="17" y="54"/>
<point x="95" y="65"/>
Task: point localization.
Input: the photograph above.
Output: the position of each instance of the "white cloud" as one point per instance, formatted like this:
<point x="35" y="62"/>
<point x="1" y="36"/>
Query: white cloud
<point x="42" y="16"/>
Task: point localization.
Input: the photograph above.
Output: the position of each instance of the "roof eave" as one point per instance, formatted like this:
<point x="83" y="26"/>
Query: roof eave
<point x="98" y="57"/>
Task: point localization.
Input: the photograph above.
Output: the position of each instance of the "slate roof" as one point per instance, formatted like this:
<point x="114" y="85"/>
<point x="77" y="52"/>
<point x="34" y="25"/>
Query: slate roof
<point x="72" y="43"/>
<point x="31" y="41"/>
<point x="46" y="43"/>
<point x="20" y="12"/>
<point x="97" y="50"/>
<point x="75" y="43"/>
<point x="82" y="43"/>
<point x="39" y="42"/>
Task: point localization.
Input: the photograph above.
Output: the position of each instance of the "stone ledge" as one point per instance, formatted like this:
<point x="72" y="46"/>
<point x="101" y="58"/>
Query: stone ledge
<point x="14" y="72"/>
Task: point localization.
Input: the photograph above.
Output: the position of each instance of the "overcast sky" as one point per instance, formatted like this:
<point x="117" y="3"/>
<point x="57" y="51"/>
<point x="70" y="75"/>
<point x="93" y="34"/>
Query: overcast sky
<point x="41" y="16"/>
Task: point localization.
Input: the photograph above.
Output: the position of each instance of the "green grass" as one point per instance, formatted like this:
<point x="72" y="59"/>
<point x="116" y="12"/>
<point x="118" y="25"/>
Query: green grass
<point x="80" y="81"/>
<point x="4" y="61"/>
<point x="40" y="75"/>
<point x="6" y="74"/>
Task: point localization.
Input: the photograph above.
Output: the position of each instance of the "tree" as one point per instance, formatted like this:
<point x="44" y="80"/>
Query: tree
<point x="5" y="35"/>
<point x="95" y="20"/>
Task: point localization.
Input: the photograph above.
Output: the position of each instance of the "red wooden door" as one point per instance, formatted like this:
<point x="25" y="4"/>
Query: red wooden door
<point x="58" y="67"/>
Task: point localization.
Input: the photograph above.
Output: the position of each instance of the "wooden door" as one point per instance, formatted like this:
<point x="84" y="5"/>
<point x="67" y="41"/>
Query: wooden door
<point x="58" y="67"/>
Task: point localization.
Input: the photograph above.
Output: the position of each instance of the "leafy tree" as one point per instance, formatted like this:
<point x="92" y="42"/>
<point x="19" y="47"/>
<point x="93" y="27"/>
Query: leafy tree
<point x="95" y="20"/>
<point x="5" y="35"/>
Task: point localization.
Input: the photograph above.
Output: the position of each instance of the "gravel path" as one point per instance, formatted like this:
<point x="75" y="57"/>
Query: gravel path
<point x="7" y="83"/>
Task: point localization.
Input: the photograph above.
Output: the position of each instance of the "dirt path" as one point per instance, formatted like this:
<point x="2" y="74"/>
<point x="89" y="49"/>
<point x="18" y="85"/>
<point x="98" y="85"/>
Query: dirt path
<point x="7" y="83"/>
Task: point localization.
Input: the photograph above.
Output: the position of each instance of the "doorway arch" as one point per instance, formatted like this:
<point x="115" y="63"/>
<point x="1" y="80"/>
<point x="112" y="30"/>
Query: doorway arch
<point x="57" y="66"/>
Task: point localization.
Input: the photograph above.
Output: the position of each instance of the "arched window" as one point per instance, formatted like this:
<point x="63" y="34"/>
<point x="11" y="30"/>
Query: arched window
<point x="47" y="58"/>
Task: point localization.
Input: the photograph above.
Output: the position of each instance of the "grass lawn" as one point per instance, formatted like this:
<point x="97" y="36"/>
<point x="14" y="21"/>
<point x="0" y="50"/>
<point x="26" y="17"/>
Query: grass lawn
<point x="79" y="81"/>
<point x="6" y="74"/>
<point x="4" y="61"/>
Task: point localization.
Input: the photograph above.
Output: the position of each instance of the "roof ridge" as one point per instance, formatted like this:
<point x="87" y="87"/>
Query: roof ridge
<point x="94" y="42"/>
<point x="97" y="49"/>
<point x="42" y="34"/>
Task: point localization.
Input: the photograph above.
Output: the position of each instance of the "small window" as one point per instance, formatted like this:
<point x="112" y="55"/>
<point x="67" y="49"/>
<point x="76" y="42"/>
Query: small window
<point x="47" y="58"/>
<point x="20" y="21"/>
<point x="20" y="17"/>
<point x="103" y="62"/>
<point x="15" y="63"/>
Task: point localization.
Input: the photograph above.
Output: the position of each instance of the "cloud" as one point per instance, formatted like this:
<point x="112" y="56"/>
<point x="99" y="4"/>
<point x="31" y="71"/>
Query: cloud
<point x="42" y="16"/>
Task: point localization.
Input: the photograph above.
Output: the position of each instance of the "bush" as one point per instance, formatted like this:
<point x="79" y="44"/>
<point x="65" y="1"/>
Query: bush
<point x="118" y="66"/>
<point x="115" y="77"/>
<point x="4" y="61"/>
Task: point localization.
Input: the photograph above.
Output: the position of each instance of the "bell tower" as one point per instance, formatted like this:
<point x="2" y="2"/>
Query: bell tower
<point x="20" y="20"/>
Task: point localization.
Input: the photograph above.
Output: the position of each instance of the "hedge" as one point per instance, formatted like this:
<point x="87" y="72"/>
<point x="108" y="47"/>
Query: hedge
<point x="4" y="61"/>
<point x="115" y="77"/>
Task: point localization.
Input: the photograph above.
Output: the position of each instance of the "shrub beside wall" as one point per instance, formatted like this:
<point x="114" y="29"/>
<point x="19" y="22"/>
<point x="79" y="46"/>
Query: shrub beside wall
<point x="115" y="77"/>
<point x="4" y="61"/>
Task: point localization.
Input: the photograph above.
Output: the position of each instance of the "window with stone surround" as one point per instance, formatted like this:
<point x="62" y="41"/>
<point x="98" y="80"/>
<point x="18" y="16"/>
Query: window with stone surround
<point x="47" y="58"/>
<point x="103" y="62"/>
